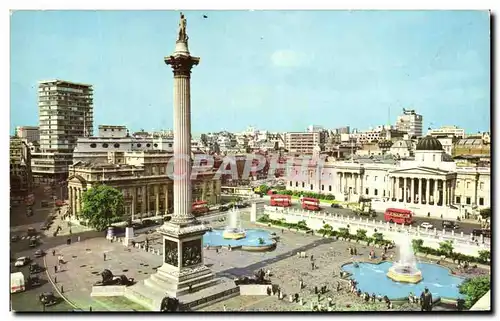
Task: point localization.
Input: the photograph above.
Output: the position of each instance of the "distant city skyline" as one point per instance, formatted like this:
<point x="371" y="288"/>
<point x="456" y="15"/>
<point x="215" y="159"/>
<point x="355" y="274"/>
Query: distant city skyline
<point x="277" y="70"/>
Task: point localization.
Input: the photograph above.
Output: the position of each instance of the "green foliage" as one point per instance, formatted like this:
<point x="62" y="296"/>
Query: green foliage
<point x="361" y="234"/>
<point x="261" y="241"/>
<point x="484" y="255"/>
<point x="263" y="189"/>
<point x="102" y="206"/>
<point x="446" y="248"/>
<point x="343" y="232"/>
<point x="263" y="218"/>
<point x="417" y="245"/>
<point x="485" y="213"/>
<point x="474" y="289"/>
<point x="320" y="196"/>
<point x="327" y="227"/>
<point x="378" y="236"/>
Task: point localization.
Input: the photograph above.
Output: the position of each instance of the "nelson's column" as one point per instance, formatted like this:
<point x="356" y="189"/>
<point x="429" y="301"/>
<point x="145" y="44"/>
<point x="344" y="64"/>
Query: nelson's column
<point x="183" y="274"/>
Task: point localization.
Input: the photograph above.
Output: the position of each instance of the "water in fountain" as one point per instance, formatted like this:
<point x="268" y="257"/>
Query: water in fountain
<point x="234" y="223"/>
<point x="405" y="270"/>
<point x="406" y="256"/>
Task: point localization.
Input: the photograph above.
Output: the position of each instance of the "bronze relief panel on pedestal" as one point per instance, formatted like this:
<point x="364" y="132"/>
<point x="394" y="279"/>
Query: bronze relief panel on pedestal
<point x="191" y="253"/>
<point x="171" y="253"/>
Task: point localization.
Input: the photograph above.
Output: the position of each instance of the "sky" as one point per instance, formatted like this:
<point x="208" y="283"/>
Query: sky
<point x="275" y="70"/>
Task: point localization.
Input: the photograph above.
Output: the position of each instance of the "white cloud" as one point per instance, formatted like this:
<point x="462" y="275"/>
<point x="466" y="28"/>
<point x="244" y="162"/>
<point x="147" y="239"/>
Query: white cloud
<point x="287" y="58"/>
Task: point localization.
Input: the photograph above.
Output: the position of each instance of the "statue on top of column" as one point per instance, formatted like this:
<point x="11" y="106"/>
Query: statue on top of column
<point x="182" y="29"/>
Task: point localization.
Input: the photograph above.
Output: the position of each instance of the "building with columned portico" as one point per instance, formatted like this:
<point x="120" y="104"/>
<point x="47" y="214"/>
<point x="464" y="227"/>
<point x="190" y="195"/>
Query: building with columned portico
<point x="143" y="178"/>
<point x="429" y="183"/>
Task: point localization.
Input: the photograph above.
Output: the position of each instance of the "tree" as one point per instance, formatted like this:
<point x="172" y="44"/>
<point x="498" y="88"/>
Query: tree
<point x="446" y="247"/>
<point x="361" y="234"/>
<point x="263" y="189"/>
<point x="102" y="205"/>
<point x="474" y="289"/>
<point x="484" y="256"/>
<point x="417" y="245"/>
<point x="485" y="213"/>
<point x="378" y="237"/>
<point x="343" y="232"/>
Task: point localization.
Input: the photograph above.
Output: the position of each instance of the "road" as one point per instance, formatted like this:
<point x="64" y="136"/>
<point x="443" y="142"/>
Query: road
<point x="465" y="227"/>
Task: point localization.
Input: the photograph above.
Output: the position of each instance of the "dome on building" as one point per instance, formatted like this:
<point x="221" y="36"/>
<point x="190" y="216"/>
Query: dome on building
<point x="429" y="143"/>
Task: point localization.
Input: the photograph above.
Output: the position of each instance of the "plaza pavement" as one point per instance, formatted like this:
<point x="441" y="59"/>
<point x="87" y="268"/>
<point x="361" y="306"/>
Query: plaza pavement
<point x="85" y="262"/>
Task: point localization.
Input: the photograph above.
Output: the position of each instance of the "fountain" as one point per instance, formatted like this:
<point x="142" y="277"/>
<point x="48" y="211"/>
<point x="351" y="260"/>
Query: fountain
<point x="233" y="231"/>
<point x="405" y="270"/>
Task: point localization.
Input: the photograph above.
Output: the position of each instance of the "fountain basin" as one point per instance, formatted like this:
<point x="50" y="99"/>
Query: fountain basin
<point x="233" y="235"/>
<point x="401" y="274"/>
<point x="372" y="278"/>
<point x="254" y="240"/>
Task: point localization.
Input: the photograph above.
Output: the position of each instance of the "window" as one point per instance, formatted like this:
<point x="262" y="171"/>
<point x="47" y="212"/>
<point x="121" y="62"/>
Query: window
<point x="375" y="192"/>
<point x="296" y="184"/>
<point x="458" y="183"/>
<point x="311" y="187"/>
<point x="366" y="191"/>
<point x="384" y="193"/>
<point x="457" y="199"/>
<point x="375" y="179"/>
<point x="468" y="185"/>
<point x="155" y="145"/>
<point x="93" y="145"/>
<point x="467" y="201"/>
<point x="481" y="201"/>
<point x="139" y="145"/>
<point x="322" y="187"/>
<point x="330" y="188"/>
<point x="116" y="145"/>
<point x="303" y="184"/>
<point x="148" y="145"/>
<point x="290" y="183"/>
<point x="105" y="145"/>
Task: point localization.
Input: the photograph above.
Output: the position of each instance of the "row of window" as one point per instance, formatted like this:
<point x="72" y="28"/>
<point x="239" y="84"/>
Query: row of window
<point x="468" y="200"/>
<point x="117" y="145"/>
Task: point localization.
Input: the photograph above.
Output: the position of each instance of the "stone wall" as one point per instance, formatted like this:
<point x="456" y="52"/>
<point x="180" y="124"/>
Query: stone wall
<point x="431" y="238"/>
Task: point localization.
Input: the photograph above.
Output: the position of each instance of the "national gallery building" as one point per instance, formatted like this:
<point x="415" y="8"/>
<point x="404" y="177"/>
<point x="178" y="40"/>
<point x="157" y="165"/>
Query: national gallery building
<point x="431" y="183"/>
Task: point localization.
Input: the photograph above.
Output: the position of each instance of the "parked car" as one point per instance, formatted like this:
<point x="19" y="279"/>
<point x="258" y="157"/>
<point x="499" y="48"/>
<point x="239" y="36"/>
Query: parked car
<point x="484" y="232"/>
<point x="147" y="223"/>
<point x="33" y="242"/>
<point x="44" y="203"/>
<point x="15" y="238"/>
<point x="22" y="261"/>
<point x="426" y="225"/>
<point x="48" y="299"/>
<point x="31" y="231"/>
<point x="335" y="205"/>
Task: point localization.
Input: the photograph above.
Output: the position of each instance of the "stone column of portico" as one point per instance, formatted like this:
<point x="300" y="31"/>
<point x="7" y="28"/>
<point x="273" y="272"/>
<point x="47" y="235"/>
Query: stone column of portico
<point x="435" y="196"/>
<point x="427" y="191"/>
<point x="143" y="201"/>
<point x="79" y="201"/>
<point x="412" y="189"/>
<point x="358" y="184"/>
<point x="405" y="198"/>
<point x="420" y="190"/>
<point x="339" y="185"/>
<point x="157" y="199"/>
<point x="133" y="191"/>
<point x="70" y="197"/>
<point x="445" y="192"/>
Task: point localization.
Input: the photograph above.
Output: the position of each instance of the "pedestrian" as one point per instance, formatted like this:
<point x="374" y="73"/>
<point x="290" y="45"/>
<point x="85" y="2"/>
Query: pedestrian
<point x="90" y="309"/>
<point x="312" y="266"/>
<point x="312" y="257"/>
<point x="224" y="308"/>
<point x="301" y="284"/>
<point x="55" y="268"/>
<point x="319" y="297"/>
<point x="190" y="288"/>
<point x="55" y="279"/>
<point x="62" y="289"/>
<point x="78" y="238"/>
<point x="53" y="252"/>
<point x="104" y="256"/>
<point x="315" y="290"/>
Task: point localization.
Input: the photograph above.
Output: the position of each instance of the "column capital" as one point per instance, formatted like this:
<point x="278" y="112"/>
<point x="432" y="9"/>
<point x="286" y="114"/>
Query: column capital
<point x="182" y="64"/>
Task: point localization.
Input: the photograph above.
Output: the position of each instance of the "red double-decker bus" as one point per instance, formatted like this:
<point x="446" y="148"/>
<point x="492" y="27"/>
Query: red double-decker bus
<point x="311" y="204"/>
<point x="199" y="207"/>
<point x="399" y="216"/>
<point x="281" y="200"/>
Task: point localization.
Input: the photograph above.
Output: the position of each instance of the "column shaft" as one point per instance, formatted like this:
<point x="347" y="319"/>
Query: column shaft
<point x="157" y="199"/>
<point x="405" y="198"/>
<point x="427" y="190"/>
<point x="420" y="190"/>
